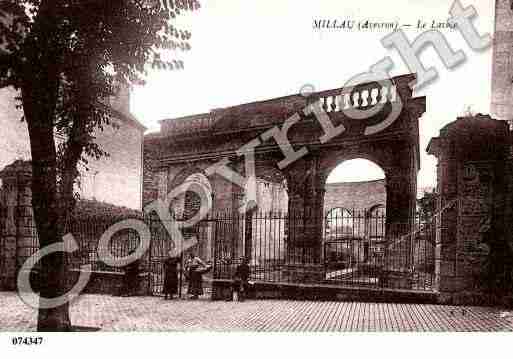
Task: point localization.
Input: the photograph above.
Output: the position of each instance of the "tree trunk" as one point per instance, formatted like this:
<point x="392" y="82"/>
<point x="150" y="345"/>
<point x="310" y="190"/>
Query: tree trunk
<point x="40" y="88"/>
<point x="45" y="206"/>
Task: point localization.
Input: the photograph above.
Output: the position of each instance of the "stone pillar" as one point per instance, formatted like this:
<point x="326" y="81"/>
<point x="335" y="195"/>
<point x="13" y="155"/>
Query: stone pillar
<point x="17" y="233"/>
<point x="502" y="67"/>
<point x="446" y="220"/>
<point x="295" y="223"/>
<point x="472" y="155"/>
<point x="306" y="211"/>
<point x="8" y="245"/>
<point x="306" y="208"/>
<point x="238" y="241"/>
<point x="27" y="240"/>
<point x="399" y="218"/>
<point x="399" y="199"/>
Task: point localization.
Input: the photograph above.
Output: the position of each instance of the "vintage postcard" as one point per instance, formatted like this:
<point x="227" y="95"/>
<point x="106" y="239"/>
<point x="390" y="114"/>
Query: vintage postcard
<point x="206" y="166"/>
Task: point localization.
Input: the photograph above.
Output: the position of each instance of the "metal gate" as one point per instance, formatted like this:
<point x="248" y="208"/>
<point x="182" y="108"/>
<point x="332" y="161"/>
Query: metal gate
<point x="162" y="243"/>
<point x="357" y="249"/>
<point x="361" y="250"/>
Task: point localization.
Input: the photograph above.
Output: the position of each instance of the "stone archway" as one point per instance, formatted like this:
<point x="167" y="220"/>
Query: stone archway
<point x="398" y="160"/>
<point x="389" y="136"/>
<point x="354" y="235"/>
<point x="398" y="157"/>
<point x="187" y="205"/>
<point x="192" y="201"/>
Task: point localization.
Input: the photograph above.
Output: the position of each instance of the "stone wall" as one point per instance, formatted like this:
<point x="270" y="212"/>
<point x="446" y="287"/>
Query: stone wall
<point x="19" y="240"/>
<point x="360" y="196"/>
<point x="474" y="186"/>
<point x="17" y="234"/>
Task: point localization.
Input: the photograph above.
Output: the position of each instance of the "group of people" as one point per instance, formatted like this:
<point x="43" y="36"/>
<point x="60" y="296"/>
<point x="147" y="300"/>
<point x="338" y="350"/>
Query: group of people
<point x="194" y="269"/>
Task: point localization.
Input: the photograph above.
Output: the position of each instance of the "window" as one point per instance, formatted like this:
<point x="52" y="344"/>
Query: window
<point x="339" y="222"/>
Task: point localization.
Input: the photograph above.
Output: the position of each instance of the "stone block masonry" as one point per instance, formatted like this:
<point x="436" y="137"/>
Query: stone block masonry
<point x="15" y="230"/>
<point x="474" y="173"/>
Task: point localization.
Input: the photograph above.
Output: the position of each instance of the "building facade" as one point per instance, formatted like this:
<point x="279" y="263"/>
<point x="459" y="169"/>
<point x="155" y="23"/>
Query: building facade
<point x="115" y="179"/>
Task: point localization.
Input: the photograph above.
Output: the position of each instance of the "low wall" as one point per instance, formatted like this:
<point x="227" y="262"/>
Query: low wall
<point x="221" y="290"/>
<point x="104" y="282"/>
<point x="100" y="282"/>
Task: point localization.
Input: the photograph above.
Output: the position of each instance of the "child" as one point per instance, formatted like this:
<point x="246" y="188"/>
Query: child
<point x="240" y="280"/>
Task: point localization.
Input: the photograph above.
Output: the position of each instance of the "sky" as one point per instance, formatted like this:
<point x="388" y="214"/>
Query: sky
<point x="250" y="51"/>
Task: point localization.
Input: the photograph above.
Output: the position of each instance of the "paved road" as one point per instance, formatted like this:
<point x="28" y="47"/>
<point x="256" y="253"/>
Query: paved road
<point x="154" y="314"/>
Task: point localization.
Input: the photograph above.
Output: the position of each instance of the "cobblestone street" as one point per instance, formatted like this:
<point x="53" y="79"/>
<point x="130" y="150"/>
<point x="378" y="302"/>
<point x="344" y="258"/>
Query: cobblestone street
<point x="154" y="314"/>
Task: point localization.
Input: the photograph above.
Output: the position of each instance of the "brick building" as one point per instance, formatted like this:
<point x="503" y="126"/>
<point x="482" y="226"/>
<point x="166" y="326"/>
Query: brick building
<point x="116" y="179"/>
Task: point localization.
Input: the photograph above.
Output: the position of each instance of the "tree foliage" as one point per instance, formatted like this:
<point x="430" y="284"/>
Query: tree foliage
<point x="426" y="205"/>
<point x="66" y="58"/>
<point x="83" y="50"/>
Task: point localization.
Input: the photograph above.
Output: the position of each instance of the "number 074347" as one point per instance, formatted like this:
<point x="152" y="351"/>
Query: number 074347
<point x="27" y="340"/>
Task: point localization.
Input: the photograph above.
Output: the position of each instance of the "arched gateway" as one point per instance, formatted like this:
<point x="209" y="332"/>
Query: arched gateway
<point x="294" y="142"/>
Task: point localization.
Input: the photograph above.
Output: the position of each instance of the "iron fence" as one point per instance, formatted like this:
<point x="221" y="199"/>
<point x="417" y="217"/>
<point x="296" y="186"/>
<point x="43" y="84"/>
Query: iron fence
<point x="344" y="248"/>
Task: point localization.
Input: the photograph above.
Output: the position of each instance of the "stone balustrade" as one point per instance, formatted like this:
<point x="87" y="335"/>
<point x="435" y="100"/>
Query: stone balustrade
<point x="362" y="98"/>
<point x="247" y="115"/>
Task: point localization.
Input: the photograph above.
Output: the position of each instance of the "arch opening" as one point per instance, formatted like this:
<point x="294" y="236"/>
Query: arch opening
<point x="354" y="217"/>
<point x="356" y="170"/>
<point x="187" y="205"/>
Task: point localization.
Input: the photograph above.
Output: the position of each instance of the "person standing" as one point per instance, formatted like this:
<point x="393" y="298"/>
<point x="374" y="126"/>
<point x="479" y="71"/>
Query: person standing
<point x="240" y="280"/>
<point x="195" y="268"/>
<point x="171" y="275"/>
<point x="131" y="277"/>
